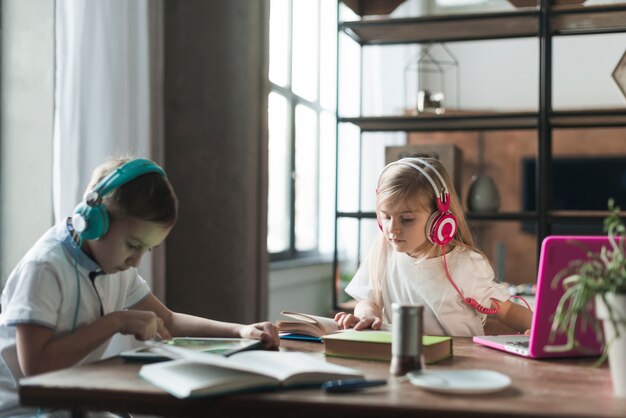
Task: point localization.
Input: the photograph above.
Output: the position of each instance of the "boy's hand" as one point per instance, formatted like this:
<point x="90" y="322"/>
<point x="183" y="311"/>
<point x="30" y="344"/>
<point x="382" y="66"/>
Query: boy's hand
<point x="347" y="320"/>
<point x="264" y="331"/>
<point x="144" y="325"/>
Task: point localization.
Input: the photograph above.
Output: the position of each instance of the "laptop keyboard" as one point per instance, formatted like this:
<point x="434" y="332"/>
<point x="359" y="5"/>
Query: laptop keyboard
<point x="520" y="344"/>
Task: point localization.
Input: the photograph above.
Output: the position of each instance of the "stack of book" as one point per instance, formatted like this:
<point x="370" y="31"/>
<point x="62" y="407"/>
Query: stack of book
<point x="366" y="344"/>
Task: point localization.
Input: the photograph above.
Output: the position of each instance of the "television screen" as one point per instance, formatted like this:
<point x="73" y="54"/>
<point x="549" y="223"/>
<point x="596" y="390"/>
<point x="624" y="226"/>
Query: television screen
<point x="579" y="183"/>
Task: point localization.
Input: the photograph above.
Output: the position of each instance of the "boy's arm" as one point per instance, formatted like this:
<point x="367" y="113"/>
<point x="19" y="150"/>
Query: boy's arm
<point x="514" y="316"/>
<point x="183" y="325"/>
<point x="39" y="351"/>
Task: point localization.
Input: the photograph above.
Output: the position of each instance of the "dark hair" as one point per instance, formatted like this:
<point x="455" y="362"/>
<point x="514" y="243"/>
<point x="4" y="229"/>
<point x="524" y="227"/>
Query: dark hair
<point x="149" y="197"/>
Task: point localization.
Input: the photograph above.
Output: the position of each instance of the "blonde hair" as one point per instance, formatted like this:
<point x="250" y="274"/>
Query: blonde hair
<point x="403" y="184"/>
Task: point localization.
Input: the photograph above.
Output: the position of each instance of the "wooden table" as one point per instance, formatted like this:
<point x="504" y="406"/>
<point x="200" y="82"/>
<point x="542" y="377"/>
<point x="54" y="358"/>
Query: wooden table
<point x="551" y="388"/>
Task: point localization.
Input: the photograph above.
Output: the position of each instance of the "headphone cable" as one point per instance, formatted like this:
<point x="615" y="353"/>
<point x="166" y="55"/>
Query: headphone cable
<point x="75" y="321"/>
<point x="470" y="301"/>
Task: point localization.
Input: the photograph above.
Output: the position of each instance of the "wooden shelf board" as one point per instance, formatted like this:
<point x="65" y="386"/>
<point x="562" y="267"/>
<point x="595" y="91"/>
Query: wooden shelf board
<point x="573" y="20"/>
<point x="460" y="121"/>
<point x="446" y="28"/>
<point x="576" y="20"/>
<point x="589" y="118"/>
<point x="446" y="122"/>
<point x="472" y="216"/>
<point x="574" y="216"/>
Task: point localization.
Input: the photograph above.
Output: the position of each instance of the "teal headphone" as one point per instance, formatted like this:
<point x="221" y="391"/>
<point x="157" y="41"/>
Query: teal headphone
<point x="91" y="219"/>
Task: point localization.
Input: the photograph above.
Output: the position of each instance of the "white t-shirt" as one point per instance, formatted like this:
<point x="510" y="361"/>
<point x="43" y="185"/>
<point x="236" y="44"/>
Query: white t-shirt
<point x="424" y="282"/>
<point x="44" y="288"/>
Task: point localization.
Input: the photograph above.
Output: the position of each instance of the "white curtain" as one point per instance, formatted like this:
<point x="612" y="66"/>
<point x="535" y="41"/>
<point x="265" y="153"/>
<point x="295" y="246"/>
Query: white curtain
<point x="103" y="97"/>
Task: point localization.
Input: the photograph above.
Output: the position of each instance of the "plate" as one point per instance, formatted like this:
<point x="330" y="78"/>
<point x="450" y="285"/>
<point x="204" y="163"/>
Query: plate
<point x="460" y="381"/>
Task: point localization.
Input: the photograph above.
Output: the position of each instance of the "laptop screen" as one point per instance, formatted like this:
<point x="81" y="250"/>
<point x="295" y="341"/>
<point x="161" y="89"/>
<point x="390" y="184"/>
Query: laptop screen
<point x="557" y="254"/>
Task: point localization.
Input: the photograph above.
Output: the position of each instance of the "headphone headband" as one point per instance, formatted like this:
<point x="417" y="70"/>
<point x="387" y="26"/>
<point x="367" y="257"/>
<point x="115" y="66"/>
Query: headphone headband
<point x="441" y="226"/>
<point x="124" y="174"/>
<point x="410" y="162"/>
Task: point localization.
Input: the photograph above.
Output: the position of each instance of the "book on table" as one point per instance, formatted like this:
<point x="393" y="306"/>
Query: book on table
<point x="376" y="345"/>
<point x="365" y="344"/>
<point x="195" y="374"/>
<point x="222" y="346"/>
<point x="301" y="326"/>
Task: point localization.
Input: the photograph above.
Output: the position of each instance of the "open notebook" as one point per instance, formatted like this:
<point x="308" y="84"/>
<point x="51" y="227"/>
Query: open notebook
<point x="556" y="254"/>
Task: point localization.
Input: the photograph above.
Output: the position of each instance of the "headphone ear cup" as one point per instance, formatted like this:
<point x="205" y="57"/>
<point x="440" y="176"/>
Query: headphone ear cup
<point x="94" y="219"/>
<point x="441" y="227"/>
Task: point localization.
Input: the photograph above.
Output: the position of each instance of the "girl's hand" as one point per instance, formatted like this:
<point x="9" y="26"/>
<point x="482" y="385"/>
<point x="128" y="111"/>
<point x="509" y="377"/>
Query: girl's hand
<point x="264" y="331"/>
<point x="347" y="320"/>
<point x="144" y="325"/>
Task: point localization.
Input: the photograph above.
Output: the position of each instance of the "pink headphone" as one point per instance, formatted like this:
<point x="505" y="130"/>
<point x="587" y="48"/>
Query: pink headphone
<point x="442" y="225"/>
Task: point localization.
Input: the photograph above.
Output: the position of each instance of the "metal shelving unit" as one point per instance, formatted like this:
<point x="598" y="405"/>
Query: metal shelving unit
<point x="543" y="23"/>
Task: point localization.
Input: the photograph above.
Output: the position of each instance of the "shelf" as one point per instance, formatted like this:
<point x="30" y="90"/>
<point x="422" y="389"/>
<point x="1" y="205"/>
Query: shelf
<point x="357" y="215"/>
<point x="554" y="216"/>
<point x="535" y="23"/>
<point x="580" y="217"/>
<point x="446" y="122"/>
<point x="489" y="121"/>
<point x="499" y="216"/>
<point x="587" y="20"/>
<point x="447" y="28"/>
<point x="589" y="118"/>
<point x="573" y="20"/>
<point x="502" y="216"/>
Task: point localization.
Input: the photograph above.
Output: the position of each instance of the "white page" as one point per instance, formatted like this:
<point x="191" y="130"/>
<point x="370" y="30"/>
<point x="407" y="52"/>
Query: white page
<point x="278" y="364"/>
<point x="328" y="325"/>
<point x="183" y="378"/>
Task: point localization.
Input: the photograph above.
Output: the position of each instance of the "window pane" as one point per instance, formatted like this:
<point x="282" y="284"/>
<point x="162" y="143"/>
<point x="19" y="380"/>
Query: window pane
<point x="349" y="77"/>
<point x="328" y="53"/>
<point x="305" y="51"/>
<point x="279" y="194"/>
<point x="327" y="183"/>
<point x="279" y="42"/>
<point x="306" y="179"/>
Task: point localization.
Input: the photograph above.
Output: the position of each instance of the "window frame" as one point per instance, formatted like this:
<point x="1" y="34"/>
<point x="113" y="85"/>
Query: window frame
<point x="293" y="100"/>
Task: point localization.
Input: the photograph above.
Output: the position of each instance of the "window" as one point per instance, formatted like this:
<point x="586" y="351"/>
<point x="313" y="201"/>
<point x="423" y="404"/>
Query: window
<point x="302" y="103"/>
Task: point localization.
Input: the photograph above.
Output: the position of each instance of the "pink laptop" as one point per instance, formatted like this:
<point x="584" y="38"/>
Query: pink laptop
<point x="556" y="254"/>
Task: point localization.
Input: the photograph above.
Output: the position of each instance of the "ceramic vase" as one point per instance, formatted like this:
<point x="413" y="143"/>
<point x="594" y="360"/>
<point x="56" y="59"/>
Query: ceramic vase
<point x="617" y="346"/>
<point x="483" y="195"/>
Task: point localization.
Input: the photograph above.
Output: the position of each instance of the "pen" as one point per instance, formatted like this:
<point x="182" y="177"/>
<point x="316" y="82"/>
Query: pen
<point x="351" y="385"/>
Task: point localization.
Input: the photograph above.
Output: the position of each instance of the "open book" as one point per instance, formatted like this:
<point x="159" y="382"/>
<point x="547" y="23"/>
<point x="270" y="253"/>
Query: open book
<point x="305" y="324"/>
<point x="221" y="346"/>
<point x="196" y="374"/>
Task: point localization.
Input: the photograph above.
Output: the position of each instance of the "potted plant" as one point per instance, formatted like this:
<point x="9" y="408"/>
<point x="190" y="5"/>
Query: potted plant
<point x="600" y="279"/>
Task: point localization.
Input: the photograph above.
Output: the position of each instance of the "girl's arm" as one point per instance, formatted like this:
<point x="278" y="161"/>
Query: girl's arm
<point x="183" y="325"/>
<point x="39" y="351"/>
<point x="514" y="316"/>
<point x="366" y="315"/>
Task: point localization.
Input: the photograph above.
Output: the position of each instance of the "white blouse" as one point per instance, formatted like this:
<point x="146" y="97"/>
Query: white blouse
<point x="424" y="282"/>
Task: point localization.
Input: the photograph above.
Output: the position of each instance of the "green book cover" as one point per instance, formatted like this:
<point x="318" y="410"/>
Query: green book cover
<point x="376" y="345"/>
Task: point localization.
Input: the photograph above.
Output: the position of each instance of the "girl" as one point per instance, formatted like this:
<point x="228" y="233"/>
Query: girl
<point x="78" y="286"/>
<point x="426" y="256"/>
